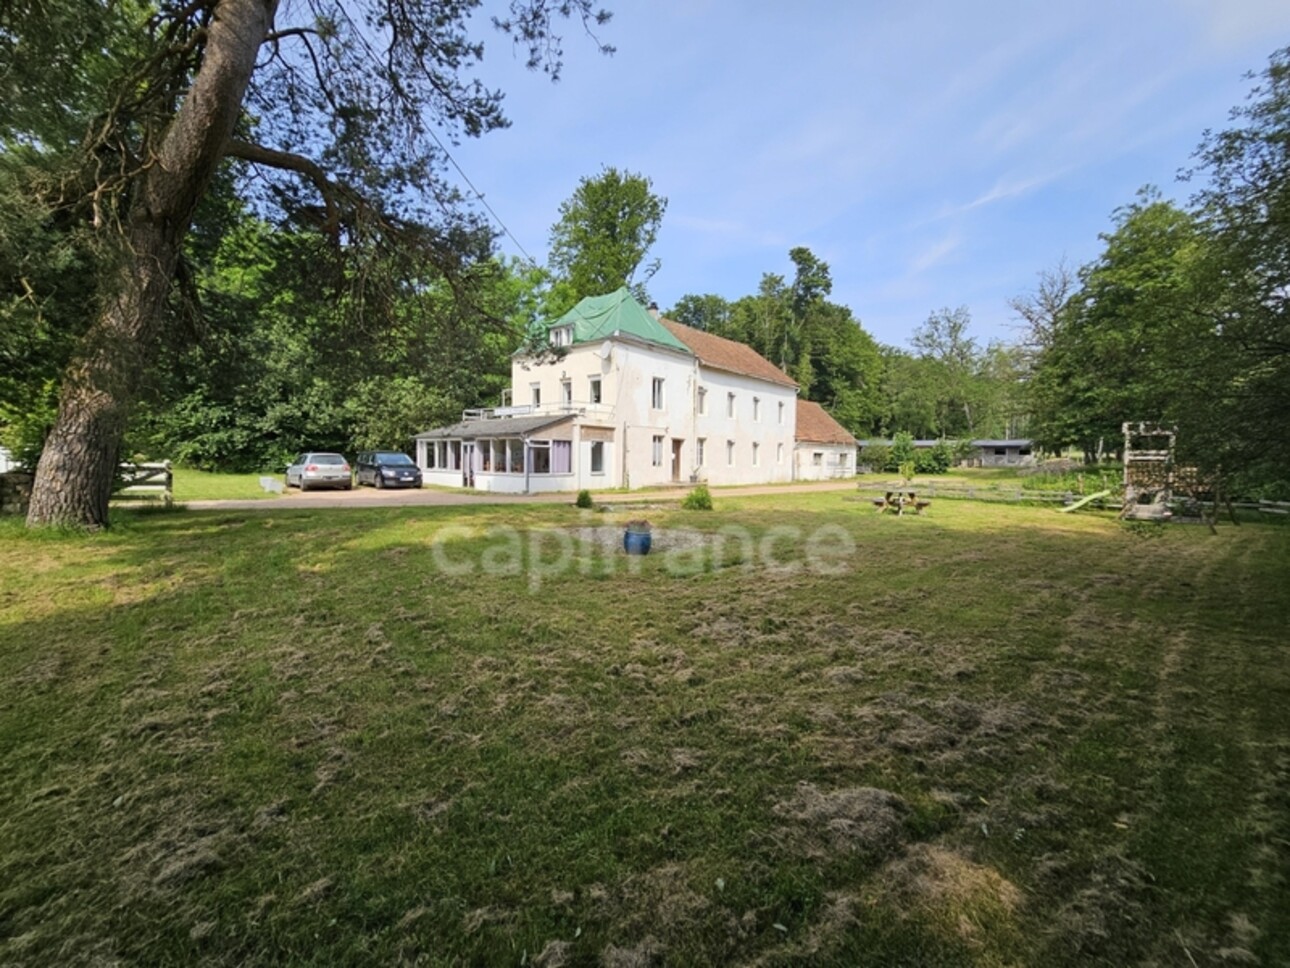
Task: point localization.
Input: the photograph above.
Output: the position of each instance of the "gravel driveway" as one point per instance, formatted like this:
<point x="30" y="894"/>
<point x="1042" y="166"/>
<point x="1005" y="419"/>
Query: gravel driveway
<point x="367" y="497"/>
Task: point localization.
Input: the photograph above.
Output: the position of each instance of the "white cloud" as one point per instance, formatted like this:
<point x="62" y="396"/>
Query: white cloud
<point x="1231" y="24"/>
<point x="725" y="228"/>
<point x="1010" y="188"/>
<point x="1003" y="189"/>
<point x="934" y="254"/>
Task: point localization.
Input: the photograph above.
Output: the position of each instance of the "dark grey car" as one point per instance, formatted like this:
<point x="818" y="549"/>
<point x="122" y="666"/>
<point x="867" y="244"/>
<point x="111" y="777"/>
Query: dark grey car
<point x="386" y="468"/>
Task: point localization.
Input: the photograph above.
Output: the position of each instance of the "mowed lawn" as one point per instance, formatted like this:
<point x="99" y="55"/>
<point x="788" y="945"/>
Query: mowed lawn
<point x="797" y="734"/>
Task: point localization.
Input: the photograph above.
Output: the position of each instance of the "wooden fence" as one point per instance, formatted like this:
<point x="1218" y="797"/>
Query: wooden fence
<point x="1021" y="495"/>
<point x="146" y="482"/>
<point x="968" y="492"/>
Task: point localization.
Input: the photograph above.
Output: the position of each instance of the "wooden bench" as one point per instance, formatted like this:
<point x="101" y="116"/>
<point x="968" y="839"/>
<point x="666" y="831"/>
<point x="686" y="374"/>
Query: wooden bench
<point x="897" y="503"/>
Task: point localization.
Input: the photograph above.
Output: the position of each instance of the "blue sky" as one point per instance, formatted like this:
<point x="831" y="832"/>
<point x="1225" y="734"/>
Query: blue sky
<point x="934" y="153"/>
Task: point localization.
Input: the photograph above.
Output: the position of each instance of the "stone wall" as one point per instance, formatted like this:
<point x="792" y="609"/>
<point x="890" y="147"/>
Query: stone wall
<point x="15" y="492"/>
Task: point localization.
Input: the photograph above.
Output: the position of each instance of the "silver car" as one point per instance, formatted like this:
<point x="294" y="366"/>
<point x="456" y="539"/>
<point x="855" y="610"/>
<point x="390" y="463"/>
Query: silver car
<point x="318" y="469"/>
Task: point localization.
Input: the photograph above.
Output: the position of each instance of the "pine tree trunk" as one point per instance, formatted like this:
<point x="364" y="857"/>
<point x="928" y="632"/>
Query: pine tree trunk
<point x="77" y="466"/>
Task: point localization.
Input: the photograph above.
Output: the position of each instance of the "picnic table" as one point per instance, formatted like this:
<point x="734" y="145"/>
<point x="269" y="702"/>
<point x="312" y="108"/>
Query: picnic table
<point x="897" y="502"/>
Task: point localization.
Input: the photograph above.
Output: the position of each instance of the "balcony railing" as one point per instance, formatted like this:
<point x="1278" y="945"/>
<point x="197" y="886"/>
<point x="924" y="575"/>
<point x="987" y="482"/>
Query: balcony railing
<point x="540" y="410"/>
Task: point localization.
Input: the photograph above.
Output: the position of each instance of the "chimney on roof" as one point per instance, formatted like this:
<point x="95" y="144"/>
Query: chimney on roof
<point x="653" y="309"/>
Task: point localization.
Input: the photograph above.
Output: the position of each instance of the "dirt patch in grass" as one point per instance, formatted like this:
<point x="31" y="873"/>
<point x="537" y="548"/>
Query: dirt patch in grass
<point x="958" y="897"/>
<point x="848" y="820"/>
<point x="554" y="954"/>
<point x="661" y="894"/>
<point x="644" y="916"/>
<point x="646" y="952"/>
<point x="948" y="732"/>
<point x="1108" y="894"/>
<point x="492" y="915"/>
<point x="44" y="671"/>
<point x="840" y="914"/>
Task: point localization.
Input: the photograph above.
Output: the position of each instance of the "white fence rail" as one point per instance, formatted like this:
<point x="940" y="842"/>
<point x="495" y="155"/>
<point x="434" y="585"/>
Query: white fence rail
<point x="146" y="481"/>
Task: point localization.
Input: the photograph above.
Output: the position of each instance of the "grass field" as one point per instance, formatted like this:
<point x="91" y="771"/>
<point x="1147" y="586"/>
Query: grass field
<point x="194" y="485"/>
<point x="797" y="733"/>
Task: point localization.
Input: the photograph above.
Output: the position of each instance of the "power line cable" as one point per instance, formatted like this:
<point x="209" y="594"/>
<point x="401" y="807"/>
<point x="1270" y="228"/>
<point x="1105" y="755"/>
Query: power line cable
<point x="479" y="195"/>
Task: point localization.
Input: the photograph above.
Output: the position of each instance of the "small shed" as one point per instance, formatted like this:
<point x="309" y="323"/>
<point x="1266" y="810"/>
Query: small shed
<point x="823" y="449"/>
<point x="1003" y="453"/>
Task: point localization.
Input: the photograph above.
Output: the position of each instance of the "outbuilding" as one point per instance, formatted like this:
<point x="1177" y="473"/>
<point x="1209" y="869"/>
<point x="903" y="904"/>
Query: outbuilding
<point x="1003" y="453"/>
<point x="823" y="449"/>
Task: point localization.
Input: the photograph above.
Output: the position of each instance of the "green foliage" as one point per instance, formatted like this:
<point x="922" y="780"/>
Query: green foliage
<point x="818" y="343"/>
<point x="707" y="312"/>
<point x="583" y="499"/>
<point x="936" y="459"/>
<point x="1185" y="317"/>
<point x="1084" y="481"/>
<point x="950" y="386"/>
<point x="287" y="362"/>
<point x="62" y="62"/>
<point x="908" y="398"/>
<point x="115" y="119"/>
<point x="47" y="277"/>
<point x="605" y="231"/>
<point x="877" y="456"/>
<point x="1114" y="353"/>
<point x="902" y="451"/>
<point x="1232" y="403"/>
<point x="24" y="422"/>
<point x="699" y="499"/>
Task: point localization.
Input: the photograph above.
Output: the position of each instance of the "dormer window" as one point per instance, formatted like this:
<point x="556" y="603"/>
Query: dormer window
<point x="562" y="336"/>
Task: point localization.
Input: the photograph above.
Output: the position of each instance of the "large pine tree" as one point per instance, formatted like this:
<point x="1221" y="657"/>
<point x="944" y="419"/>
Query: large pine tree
<point x="129" y="110"/>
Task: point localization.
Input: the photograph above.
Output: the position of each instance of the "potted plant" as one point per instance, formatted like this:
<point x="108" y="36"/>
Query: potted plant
<point x="637" y="538"/>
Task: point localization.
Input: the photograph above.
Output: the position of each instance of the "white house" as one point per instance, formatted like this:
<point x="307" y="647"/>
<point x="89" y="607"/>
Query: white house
<point x="628" y="400"/>
<point x="823" y="448"/>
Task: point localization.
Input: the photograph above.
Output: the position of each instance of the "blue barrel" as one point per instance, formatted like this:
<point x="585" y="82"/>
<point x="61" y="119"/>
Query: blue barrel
<point x="636" y="542"/>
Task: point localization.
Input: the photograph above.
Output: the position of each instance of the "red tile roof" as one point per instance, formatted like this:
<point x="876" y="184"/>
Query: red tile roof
<point x="817" y="425"/>
<point x="726" y="354"/>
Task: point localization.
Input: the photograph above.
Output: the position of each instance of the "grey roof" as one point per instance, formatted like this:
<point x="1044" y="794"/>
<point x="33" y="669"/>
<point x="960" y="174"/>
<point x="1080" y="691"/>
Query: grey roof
<point x="493" y="427"/>
<point x="878" y="442"/>
<point x="1021" y="442"/>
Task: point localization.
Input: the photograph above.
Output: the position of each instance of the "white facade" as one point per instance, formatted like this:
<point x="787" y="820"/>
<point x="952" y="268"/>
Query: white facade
<point x="824" y="461"/>
<point x="746" y="425"/>
<point x="636" y="414"/>
<point x="645" y="406"/>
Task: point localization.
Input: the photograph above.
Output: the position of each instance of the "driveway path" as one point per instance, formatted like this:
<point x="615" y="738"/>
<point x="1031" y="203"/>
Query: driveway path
<point x="366" y="497"/>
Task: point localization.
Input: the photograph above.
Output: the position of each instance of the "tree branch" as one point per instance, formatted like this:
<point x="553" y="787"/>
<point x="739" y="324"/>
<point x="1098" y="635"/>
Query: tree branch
<point x="278" y="35"/>
<point x="332" y="193"/>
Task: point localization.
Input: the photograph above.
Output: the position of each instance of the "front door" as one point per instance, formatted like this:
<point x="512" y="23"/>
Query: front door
<point x="468" y="464"/>
<point x="676" y="458"/>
